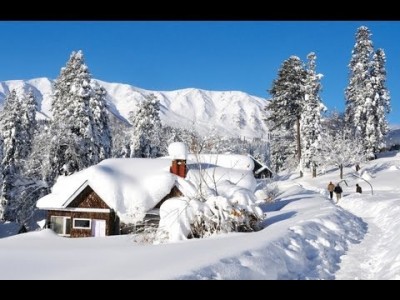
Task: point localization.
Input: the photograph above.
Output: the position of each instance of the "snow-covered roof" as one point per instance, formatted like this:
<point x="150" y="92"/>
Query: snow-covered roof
<point x="263" y="166"/>
<point x="132" y="186"/>
<point x="127" y="185"/>
<point x="229" y="161"/>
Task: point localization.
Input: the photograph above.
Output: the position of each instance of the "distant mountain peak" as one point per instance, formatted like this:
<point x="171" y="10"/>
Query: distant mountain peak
<point x="229" y="113"/>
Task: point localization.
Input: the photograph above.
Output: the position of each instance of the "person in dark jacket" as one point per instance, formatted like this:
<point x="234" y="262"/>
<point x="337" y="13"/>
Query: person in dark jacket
<point x="338" y="191"/>
<point x="358" y="189"/>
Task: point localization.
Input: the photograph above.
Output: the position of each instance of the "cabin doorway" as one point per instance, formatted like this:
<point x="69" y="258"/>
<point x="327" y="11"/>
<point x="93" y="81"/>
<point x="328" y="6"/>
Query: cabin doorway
<point x="98" y="228"/>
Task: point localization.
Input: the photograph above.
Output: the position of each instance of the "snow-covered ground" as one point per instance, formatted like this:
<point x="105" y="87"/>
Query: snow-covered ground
<point x="306" y="236"/>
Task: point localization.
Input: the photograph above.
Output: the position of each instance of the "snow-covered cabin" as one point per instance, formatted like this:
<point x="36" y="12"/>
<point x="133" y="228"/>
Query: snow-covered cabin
<point x="260" y="169"/>
<point x="99" y="200"/>
<point x="105" y="198"/>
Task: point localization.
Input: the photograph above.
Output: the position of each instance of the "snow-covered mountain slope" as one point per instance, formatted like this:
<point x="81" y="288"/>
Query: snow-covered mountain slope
<point x="393" y="138"/>
<point x="232" y="113"/>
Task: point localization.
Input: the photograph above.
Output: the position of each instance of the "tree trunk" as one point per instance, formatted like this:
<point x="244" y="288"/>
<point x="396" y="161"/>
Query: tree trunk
<point x="298" y="143"/>
<point x="314" y="171"/>
<point x="341" y="171"/>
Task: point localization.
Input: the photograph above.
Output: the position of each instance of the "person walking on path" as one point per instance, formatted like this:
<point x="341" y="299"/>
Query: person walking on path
<point x="358" y="189"/>
<point x="331" y="187"/>
<point x="338" y="191"/>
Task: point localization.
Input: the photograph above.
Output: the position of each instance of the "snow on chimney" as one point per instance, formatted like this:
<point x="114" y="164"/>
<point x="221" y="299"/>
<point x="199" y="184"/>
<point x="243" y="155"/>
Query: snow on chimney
<point x="177" y="151"/>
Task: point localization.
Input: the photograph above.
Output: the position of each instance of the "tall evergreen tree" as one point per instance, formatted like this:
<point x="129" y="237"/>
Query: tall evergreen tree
<point x="311" y="116"/>
<point x="283" y="150"/>
<point x="286" y="105"/>
<point x="80" y="134"/>
<point x="145" y="138"/>
<point x="377" y="124"/>
<point x="359" y="89"/>
<point x="12" y="148"/>
<point x="28" y="121"/>
<point x="100" y="123"/>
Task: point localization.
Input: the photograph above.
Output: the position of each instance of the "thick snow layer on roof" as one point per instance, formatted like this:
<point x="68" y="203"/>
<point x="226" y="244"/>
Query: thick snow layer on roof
<point x="212" y="176"/>
<point x="177" y="150"/>
<point x="130" y="186"/>
<point x="230" y="161"/>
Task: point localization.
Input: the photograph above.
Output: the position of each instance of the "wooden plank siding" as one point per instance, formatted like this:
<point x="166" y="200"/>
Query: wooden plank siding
<point x="112" y="221"/>
<point x="88" y="199"/>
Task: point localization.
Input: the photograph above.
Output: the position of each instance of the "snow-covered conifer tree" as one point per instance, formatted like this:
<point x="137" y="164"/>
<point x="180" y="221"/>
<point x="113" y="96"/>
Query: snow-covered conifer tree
<point x="287" y="101"/>
<point x="28" y="122"/>
<point x="10" y="123"/>
<point x="100" y="124"/>
<point x="283" y="150"/>
<point x="378" y="106"/>
<point x="32" y="185"/>
<point x="19" y="126"/>
<point x="170" y="135"/>
<point x="359" y="90"/>
<point x="311" y="115"/>
<point x="79" y="130"/>
<point x="145" y="137"/>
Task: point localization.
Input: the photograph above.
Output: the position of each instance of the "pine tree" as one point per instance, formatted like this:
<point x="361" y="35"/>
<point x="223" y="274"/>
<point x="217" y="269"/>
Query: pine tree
<point x="311" y="116"/>
<point x="100" y="124"/>
<point x="79" y="130"/>
<point x="31" y="184"/>
<point x="145" y="137"/>
<point x="283" y="150"/>
<point x="12" y="148"/>
<point x="28" y="122"/>
<point x="377" y="125"/>
<point x="170" y="135"/>
<point x="359" y="91"/>
<point x="287" y="101"/>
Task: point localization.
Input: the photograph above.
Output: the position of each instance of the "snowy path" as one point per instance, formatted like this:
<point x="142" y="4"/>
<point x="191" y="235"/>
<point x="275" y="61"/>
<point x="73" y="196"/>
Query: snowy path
<point x="377" y="256"/>
<point x="361" y="261"/>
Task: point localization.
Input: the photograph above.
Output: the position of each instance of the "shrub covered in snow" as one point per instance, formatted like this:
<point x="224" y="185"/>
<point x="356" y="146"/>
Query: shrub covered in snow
<point x="209" y="209"/>
<point x="266" y="191"/>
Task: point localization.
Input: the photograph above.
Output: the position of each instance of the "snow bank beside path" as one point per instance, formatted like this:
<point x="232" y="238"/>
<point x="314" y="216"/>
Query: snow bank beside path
<point x="379" y="256"/>
<point x="304" y="239"/>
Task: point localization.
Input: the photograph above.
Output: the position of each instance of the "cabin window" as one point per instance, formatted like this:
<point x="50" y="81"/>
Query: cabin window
<point x="61" y="225"/>
<point x="82" y="223"/>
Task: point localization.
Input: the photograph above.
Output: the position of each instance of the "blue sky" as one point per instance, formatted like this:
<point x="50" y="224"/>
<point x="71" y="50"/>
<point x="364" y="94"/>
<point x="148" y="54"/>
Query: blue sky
<point x="219" y="55"/>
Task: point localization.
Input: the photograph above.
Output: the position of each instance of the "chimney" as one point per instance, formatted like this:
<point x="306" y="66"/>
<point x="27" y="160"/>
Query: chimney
<point x="178" y="167"/>
<point x="177" y="151"/>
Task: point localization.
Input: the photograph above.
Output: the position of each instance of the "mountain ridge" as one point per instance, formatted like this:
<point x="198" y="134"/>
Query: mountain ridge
<point x="228" y="113"/>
